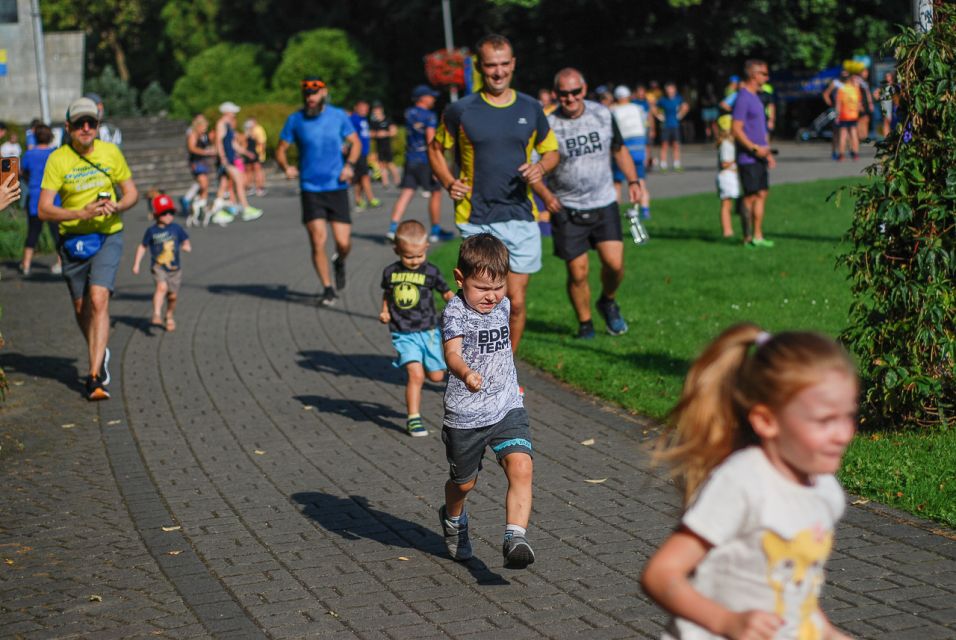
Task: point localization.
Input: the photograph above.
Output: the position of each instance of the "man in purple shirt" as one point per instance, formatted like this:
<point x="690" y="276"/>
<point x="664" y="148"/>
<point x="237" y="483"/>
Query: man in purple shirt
<point x="753" y="154"/>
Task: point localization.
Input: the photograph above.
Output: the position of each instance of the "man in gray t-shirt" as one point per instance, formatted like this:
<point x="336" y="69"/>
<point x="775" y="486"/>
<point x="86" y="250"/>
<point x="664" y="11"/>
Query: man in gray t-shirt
<point x="581" y="198"/>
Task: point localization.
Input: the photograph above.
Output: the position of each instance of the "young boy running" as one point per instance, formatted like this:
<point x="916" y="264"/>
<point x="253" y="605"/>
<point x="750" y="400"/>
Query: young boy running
<point x="482" y="404"/>
<point x="164" y="241"/>
<point x="408" y="308"/>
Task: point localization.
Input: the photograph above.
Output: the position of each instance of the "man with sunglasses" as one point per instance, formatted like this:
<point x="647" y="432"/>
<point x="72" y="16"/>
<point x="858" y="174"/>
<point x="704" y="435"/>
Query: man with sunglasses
<point x="582" y="200"/>
<point x="754" y="158"/>
<point x="493" y="133"/>
<point x="319" y="131"/>
<point x="85" y="174"/>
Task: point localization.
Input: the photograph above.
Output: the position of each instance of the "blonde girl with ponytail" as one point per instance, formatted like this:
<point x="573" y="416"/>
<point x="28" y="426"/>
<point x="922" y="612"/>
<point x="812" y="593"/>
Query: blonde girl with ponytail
<point x="753" y="444"/>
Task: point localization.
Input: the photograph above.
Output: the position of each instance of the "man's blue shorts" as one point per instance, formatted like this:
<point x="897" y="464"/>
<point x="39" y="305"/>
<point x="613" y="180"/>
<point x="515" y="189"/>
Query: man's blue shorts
<point x="420" y="346"/>
<point x="639" y="164"/>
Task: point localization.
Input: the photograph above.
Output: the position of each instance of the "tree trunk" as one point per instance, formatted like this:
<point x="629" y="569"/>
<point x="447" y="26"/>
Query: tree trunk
<point x="120" y="54"/>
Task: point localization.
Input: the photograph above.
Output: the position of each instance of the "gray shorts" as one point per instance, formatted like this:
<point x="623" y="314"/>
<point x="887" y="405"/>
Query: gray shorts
<point x="99" y="270"/>
<point x="173" y="279"/>
<point x="465" y="448"/>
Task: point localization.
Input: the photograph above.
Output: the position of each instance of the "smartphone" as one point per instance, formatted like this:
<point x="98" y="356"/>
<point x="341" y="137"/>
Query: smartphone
<point x="9" y="166"/>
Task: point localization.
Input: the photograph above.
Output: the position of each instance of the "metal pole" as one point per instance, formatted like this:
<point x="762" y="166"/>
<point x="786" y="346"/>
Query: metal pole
<point x="923" y="14"/>
<point x="449" y="40"/>
<point x="40" y="49"/>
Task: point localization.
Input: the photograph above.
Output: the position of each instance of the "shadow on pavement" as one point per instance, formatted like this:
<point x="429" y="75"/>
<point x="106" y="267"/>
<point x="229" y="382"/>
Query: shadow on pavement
<point x="377" y="238"/>
<point x="365" y="365"/>
<point x="139" y="323"/>
<point x="51" y="367"/>
<point x="268" y="291"/>
<point x="358" y="410"/>
<point x="353" y="519"/>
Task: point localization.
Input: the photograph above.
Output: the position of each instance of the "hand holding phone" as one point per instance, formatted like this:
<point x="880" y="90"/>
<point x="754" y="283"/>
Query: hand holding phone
<point x="9" y="167"/>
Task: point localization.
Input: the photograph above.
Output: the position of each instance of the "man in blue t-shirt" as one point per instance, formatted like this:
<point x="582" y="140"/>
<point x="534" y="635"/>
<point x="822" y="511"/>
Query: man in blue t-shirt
<point x="32" y="165"/>
<point x="320" y="130"/>
<point x="361" y="180"/>
<point x="670" y="110"/>
<point x="420" y="125"/>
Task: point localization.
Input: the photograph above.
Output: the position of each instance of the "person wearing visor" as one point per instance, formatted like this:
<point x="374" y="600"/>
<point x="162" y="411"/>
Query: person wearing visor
<point x="95" y="186"/>
<point x="320" y="131"/>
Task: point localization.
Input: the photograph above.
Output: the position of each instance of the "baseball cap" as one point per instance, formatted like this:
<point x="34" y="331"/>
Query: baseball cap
<point x="423" y="90"/>
<point x="622" y="92"/>
<point x="82" y="108"/>
<point x="228" y="107"/>
<point x="163" y="204"/>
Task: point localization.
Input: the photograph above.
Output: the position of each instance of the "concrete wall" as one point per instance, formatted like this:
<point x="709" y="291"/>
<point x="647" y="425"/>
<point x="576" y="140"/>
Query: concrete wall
<point x="19" y="91"/>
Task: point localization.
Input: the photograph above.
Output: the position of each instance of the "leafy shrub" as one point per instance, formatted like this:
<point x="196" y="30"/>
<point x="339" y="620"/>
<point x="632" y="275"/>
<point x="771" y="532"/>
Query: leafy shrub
<point x="902" y="261"/>
<point x="154" y="101"/>
<point x="119" y="98"/>
<point x="222" y="72"/>
<point x="331" y="55"/>
<point x="13" y="233"/>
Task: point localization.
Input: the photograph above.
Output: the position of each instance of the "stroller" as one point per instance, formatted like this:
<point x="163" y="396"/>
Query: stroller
<point x="820" y="129"/>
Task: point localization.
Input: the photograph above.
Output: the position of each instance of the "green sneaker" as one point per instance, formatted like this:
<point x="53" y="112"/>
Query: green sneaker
<point x="415" y="428"/>
<point x="251" y="213"/>
<point x="375" y="203"/>
<point x="359" y="205"/>
<point x="762" y="242"/>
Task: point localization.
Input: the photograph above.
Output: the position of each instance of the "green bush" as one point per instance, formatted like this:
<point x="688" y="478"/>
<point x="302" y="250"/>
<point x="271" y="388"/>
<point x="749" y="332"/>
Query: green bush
<point x="13" y="232"/>
<point x="222" y="72"/>
<point x="902" y="261"/>
<point x="331" y="55"/>
<point x="154" y="101"/>
<point x="119" y="98"/>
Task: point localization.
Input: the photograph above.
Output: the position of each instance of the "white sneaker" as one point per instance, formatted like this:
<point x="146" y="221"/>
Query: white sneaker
<point x="56" y="269"/>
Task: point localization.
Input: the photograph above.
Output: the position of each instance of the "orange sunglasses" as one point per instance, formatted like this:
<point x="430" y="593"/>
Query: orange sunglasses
<point x="312" y="85"/>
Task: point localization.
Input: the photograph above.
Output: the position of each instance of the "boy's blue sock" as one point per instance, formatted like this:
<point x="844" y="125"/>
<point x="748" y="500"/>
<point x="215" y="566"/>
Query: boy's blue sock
<point x="435" y="228"/>
<point x="646" y="213"/>
<point x="393" y="226"/>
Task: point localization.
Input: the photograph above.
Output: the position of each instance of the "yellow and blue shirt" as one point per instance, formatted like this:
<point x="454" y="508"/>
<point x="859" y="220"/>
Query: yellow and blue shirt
<point x="491" y="142"/>
<point x="79" y="183"/>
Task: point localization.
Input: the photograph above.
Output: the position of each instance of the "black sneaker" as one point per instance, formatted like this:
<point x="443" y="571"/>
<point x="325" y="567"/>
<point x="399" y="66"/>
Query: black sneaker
<point x="338" y="264"/>
<point x="585" y="331"/>
<point x="105" y="368"/>
<point x="456" y="535"/>
<point x="95" y="389"/>
<point x="612" y="317"/>
<point x="517" y="552"/>
<point x="328" y="298"/>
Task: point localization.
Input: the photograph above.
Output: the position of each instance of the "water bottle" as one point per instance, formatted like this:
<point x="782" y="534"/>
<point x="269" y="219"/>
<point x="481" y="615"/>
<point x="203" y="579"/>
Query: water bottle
<point x="638" y="232"/>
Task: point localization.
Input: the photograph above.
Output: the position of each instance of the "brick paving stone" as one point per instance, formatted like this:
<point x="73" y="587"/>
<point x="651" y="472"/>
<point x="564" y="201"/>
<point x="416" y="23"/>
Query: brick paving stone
<point x="270" y="431"/>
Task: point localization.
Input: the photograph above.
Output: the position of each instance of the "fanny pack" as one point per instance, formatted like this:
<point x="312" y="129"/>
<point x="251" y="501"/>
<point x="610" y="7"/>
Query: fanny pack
<point x="83" y="247"/>
<point x="583" y="216"/>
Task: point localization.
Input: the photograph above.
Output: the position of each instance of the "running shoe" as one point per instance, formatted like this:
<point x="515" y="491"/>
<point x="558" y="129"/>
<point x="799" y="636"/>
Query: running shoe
<point x="585" y="330"/>
<point x="328" y="297"/>
<point x="612" y="317"/>
<point x="456" y="535"/>
<point x="105" y="367"/>
<point x="390" y="235"/>
<point x="359" y="205"/>
<point x="251" y="213"/>
<point x="440" y="235"/>
<point x="415" y="428"/>
<point x="517" y="552"/>
<point x="338" y="265"/>
<point x="762" y="243"/>
<point x="56" y="269"/>
<point x="95" y="389"/>
<point x="222" y="218"/>
<point x="375" y="203"/>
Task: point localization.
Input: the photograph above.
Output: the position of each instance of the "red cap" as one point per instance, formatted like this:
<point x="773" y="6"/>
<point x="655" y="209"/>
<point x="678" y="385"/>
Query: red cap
<point x="163" y="204"/>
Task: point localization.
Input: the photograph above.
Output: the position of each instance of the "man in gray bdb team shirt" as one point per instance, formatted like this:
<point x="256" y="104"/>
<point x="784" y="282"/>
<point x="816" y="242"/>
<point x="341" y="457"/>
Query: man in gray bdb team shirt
<point x="583" y="203"/>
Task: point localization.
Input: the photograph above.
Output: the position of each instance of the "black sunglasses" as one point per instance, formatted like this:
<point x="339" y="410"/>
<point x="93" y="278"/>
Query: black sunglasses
<point x="569" y="92"/>
<point x="86" y="121"/>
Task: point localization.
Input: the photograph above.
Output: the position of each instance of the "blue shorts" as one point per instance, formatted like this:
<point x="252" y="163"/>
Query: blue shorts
<point x="100" y="270"/>
<point x="420" y="346"/>
<point x="639" y="164"/>
<point x="521" y="237"/>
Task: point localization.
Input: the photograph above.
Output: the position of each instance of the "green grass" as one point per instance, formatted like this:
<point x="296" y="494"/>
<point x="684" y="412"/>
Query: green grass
<point x="687" y="284"/>
<point x="13" y="232"/>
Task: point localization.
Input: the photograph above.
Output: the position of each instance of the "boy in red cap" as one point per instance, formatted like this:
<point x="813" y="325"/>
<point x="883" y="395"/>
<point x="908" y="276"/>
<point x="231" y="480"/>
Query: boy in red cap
<point x="164" y="240"/>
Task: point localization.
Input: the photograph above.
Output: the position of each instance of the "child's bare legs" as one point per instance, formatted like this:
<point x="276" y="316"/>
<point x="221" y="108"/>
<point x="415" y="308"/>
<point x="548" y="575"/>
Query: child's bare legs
<point x="416" y="379"/>
<point x="518" y="469"/>
<point x="725" y="209"/>
<point x="159" y="297"/>
<point x="455" y="495"/>
<point x="171" y="299"/>
<point x="665" y="147"/>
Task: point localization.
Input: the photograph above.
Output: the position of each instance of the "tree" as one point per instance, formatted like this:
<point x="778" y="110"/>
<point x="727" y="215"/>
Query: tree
<point x="331" y="55"/>
<point x="223" y="72"/>
<point x="902" y="321"/>
<point x="119" y="99"/>
<point x="192" y="25"/>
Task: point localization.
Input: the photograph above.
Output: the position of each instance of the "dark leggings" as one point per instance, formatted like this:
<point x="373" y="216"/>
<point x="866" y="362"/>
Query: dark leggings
<point x="34" y="226"/>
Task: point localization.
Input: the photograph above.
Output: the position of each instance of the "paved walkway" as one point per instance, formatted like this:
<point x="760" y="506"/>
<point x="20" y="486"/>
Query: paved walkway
<point x="250" y="478"/>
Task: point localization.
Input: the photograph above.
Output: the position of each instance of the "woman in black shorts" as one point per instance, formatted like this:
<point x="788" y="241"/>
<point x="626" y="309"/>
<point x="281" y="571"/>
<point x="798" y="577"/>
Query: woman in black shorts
<point x="383" y="130"/>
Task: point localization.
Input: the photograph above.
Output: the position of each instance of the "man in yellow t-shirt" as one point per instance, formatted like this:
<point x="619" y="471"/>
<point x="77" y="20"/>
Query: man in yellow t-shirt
<point x="85" y="175"/>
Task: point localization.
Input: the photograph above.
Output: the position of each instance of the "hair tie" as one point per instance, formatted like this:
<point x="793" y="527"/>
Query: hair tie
<point x="762" y="338"/>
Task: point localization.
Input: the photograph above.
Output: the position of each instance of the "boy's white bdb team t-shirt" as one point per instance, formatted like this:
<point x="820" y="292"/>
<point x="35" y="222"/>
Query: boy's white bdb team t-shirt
<point x="486" y="348"/>
<point x="771" y="540"/>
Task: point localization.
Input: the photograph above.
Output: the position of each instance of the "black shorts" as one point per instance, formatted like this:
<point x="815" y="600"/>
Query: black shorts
<point x="753" y="178"/>
<point x="572" y="239"/>
<point x="465" y="448"/>
<point x="419" y="176"/>
<point x="360" y="170"/>
<point x="326" y="205"/>
<point x="383" y="146"/>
